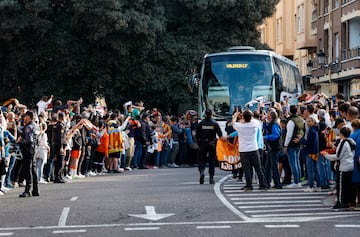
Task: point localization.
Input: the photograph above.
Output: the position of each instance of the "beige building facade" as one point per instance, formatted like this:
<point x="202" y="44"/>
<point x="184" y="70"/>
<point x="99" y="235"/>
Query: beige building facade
<point x="322" y="37"/>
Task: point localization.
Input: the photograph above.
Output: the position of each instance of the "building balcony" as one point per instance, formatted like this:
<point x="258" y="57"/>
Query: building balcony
<point x="351" y="15"/>
<point x="349" y="54"/>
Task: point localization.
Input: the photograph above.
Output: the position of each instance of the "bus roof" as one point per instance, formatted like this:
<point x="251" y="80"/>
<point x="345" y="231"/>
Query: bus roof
<point x="256" y="52"/>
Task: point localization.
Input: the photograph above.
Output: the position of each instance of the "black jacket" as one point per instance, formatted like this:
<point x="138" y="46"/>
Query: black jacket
<point x="207" y="130"/>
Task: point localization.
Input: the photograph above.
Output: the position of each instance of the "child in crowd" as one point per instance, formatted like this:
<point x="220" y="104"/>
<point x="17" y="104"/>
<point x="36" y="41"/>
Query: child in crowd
<point x="312" y="152"/>
<point x="345" y="152"/>
<point x="154" y="149"/>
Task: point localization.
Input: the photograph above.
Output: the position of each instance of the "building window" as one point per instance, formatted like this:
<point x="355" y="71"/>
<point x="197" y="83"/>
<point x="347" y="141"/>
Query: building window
<point x="326" y="6"/>
<point x="300" y="19"/>
<point x="314" y="15"/>
<point x="278" y="30"/>
<point x="336" y="4"/>
<point x="337" y="45"/>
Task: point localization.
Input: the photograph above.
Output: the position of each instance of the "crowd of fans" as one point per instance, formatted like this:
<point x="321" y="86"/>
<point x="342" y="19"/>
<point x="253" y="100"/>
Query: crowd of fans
<point x="313" y="143"/>
<point x="75" y="141"/>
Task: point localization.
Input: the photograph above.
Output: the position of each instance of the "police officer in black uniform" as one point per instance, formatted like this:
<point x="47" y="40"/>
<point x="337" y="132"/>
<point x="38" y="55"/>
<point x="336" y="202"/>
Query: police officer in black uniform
<point x="206" y="136"/>
<point x="28" y="141"/>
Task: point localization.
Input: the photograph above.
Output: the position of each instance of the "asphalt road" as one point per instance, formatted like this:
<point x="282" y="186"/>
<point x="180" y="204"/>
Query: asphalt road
<point x="170" y="202"/>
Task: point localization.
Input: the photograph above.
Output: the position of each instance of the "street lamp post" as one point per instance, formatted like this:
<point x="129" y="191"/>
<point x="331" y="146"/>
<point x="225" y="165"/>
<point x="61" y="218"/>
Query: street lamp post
<point x="309" y="67"/>
<point x="321" y="59"/>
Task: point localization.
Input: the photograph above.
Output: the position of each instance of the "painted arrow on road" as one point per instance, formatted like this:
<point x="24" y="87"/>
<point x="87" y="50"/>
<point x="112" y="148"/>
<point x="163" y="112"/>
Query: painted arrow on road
<point x="151" y="214"/>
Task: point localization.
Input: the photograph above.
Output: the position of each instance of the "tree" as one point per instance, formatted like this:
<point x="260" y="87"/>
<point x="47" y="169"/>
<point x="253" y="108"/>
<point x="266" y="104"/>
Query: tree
<point x="194" y="28"/>
<point x="122" y="49"/>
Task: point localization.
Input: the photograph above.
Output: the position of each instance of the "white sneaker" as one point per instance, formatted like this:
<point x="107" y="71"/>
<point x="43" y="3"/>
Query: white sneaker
<point x="5" y="188"/>
<point x="68" y="177"/>
<point x="309" y="190"/>
<point x="42" y="181"/>
<point x="175" y="165"/>
<point x="91" y="173"/>
<point x="22" y="184"/>
<point x="3" y="191"/>
<point x="128" y="168"/>
<point x="293" y="185"/>
<point x="81" y="176"/>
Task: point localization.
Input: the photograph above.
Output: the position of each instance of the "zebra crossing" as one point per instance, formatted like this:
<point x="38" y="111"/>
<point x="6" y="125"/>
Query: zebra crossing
<point x="279" y="205"/>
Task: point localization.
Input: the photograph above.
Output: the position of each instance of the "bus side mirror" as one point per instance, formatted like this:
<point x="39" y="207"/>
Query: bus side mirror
<point x="193" y="82"/>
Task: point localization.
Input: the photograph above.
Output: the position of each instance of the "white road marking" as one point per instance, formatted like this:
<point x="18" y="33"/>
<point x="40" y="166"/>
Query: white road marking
<point x="250" y="194"/>
<point x="238" y="189"/>
<point x="151" y="214"/>
<point x="73" y="199"/>
<point x="232" y="190"/>
<point x="282" y="226"/>
<point x="7" y="234"/>
<point x="347" y="226"/>
<point x="226" y="202"/>
<point x="189" y="183"/>
<point x="63" y="217"/>
<point x="68" y="231"/>
<point x="152" y="224"/>
<point x="297" y="214"/>
<point x="271" y="198"/>
<point x="288" y="210"/>
<point x="272" y="206"/>
<point x="275" y="202"/>
<point x="214" y="227"/>
<point x="142" y="228"/>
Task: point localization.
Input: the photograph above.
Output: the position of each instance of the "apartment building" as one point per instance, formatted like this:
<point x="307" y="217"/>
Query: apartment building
<point x="326" y="36"/>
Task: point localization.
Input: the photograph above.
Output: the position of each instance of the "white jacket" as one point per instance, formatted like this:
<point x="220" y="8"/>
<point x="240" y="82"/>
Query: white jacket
<point x="346" y="156"/>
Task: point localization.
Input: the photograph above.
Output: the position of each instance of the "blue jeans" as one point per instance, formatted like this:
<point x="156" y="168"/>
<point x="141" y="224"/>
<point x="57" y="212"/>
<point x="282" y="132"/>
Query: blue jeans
<point x="135" y="162"/>
<point x="49" y="167"/>
<point x="311" y="167"/>
<point x="164" y="157"/>
<point x="272" y="171"/>
<point x="322" y="166"/>
<point x="156" y="158"/>
<point x="293" y="156"/>
<point x="10" y="169"/>
<point x="122" y="162"/>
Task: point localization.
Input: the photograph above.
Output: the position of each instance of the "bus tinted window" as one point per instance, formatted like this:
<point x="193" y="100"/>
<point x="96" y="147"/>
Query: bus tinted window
<point x="288" y="75"/>
<point x="233" y="80"/>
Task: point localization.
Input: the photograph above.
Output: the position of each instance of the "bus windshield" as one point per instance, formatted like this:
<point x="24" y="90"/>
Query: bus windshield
<point x="231" y="81"/>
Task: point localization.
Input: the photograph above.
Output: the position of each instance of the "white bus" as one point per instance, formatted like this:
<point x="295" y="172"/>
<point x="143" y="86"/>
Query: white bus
<point x="241" y="76"/>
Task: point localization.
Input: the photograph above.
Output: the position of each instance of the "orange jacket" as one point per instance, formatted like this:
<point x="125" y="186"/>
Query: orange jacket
<point x="104" y="144"/>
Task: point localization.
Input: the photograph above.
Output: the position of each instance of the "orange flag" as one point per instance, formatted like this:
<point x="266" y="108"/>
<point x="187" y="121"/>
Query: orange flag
<point x="228" y="154"/>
